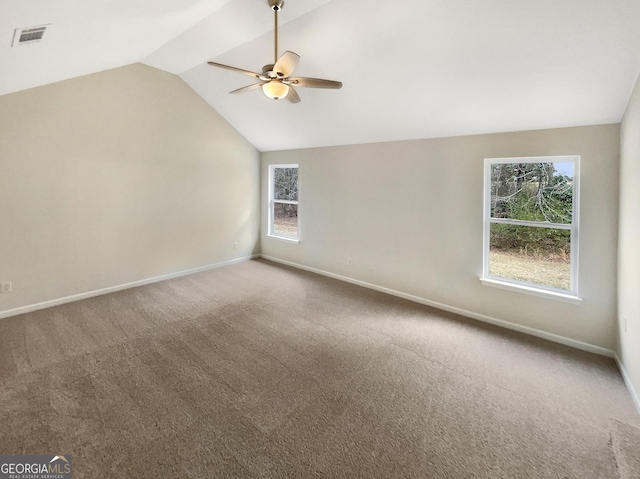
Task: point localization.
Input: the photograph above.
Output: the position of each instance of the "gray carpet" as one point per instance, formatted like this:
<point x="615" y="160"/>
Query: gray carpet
<point x="259" y="370"/>
<point x="625" y="440"/>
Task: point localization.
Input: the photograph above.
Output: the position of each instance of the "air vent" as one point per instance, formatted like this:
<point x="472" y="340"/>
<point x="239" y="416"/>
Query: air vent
<point x="23" y="36"/>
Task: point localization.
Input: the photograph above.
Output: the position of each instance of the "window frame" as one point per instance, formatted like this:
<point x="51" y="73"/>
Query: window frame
<point x="570" y="295"/>
<point x="272" y="202"/>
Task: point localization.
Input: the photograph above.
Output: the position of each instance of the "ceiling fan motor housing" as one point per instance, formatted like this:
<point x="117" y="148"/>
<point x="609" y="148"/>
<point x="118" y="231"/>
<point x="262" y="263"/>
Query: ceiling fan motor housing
<point x="276" y="5"/>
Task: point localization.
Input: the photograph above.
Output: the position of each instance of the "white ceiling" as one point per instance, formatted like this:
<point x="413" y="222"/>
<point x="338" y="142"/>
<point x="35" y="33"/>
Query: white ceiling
<point x="410" y="68"/>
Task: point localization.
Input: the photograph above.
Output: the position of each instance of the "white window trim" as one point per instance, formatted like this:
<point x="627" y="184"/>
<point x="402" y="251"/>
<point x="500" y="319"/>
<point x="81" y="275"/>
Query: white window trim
<point x="271" y="202"/>
<point x="570" y="296"/>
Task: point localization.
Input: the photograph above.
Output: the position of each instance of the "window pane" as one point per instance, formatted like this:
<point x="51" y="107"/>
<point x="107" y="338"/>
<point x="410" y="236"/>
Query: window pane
<point x="535" y="255"/>
<point x="532" y="191"/>
<point x="285" y="219"/>
<point x="285" y="184"/>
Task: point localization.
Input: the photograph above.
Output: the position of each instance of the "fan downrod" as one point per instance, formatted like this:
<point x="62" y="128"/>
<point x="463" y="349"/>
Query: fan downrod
<point x="276" y="6"/>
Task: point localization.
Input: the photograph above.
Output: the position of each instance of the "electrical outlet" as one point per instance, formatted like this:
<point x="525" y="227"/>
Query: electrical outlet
<point x="235" y="245"/>
<point x="6" y="287"/>
<point x="349" y="261"/>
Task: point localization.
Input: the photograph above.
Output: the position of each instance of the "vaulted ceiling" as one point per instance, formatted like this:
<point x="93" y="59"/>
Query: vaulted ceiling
<point x="410" y="68"/>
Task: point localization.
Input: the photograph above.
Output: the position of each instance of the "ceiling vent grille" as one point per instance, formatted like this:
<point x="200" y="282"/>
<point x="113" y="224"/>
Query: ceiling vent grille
<point x="23" y="36"/>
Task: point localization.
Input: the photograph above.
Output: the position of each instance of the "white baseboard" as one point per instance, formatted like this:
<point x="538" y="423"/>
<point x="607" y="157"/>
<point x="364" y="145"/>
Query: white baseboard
<point x="627" y="381"/>
<point x="462" y="312"/>
<point x="112" y="289"/>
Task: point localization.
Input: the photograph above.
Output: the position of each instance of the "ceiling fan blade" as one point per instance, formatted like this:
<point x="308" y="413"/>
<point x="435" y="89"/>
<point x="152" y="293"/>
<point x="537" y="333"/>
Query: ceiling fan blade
<point x="254" y="86"/>
<point x="292" y="96"/>
<point x="239" y="70"/>
<point x="286" y="64"/>
<point x="315" y="83"/>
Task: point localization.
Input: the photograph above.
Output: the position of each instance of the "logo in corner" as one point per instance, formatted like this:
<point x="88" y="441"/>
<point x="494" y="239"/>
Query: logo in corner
<point x="35" y="467"/>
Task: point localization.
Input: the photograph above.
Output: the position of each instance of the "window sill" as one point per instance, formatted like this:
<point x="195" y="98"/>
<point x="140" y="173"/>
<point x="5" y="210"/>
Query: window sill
<point x="496" y="283"/>
<point x="283" y="238"/>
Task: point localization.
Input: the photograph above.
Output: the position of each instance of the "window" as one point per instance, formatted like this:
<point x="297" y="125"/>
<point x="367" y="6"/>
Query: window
<point x="283" y="201"/>
<point x="531" y="224"/>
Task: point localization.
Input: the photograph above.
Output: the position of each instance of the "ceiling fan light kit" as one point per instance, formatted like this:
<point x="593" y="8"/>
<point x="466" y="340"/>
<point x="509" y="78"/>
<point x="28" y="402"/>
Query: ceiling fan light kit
<point x="275" y="90"/>
<point x="275" y="80"/>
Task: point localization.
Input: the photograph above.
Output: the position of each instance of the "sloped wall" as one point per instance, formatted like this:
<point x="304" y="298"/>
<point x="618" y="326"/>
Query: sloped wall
<point x="118" y="177"/>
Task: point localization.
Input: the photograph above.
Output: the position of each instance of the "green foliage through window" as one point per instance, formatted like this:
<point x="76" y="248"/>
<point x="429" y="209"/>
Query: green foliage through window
<point x="538" y="192"/>
<point x="531" y="221"/>
<point x="532" y="191"/>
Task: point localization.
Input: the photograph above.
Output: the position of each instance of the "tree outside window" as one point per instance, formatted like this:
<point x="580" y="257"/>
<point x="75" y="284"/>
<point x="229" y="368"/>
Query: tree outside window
<point x="531" y="217"/>
<point x="283" y="201"/>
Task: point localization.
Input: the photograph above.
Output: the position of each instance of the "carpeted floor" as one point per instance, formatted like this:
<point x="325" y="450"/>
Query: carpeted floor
<point x="259" y="370"/>
<point x="625" y="440"/>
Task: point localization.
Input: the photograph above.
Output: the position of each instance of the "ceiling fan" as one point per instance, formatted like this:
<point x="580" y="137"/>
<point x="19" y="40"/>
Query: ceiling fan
<point x="276" y="80"/>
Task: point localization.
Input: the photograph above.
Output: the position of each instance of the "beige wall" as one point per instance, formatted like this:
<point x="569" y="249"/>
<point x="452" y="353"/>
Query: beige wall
<point x="118" y="177"/>
<point x="409" y="214"/>
<point x="629" y="243"/>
